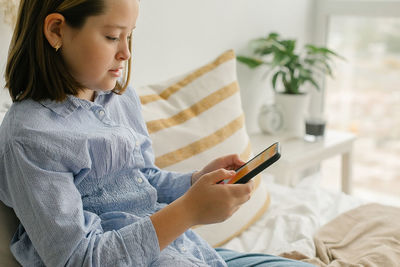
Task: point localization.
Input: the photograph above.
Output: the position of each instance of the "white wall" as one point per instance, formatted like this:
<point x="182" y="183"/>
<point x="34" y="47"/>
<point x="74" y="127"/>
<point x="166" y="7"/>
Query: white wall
<point x="176" y="36"/>
<point x="5" y="38"/>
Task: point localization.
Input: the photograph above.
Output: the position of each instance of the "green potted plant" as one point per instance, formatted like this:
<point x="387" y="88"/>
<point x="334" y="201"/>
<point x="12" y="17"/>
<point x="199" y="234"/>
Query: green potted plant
<point x="290" y="70"/>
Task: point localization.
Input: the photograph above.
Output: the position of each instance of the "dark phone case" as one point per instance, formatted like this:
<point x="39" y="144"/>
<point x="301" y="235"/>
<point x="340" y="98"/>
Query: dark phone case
<point x="259" y="168"/>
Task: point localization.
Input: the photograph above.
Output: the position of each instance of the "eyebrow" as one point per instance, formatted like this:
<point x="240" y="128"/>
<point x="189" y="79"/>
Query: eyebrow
<point x="116" y="26"/>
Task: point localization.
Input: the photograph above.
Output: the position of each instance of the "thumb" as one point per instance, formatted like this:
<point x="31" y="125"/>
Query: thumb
<point x="219" y="175"/>
<point x="239" y="161"/>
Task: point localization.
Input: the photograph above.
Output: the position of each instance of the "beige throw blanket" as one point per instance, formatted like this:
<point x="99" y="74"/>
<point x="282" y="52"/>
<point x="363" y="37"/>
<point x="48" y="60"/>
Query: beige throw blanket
<point x="365" y="236"/>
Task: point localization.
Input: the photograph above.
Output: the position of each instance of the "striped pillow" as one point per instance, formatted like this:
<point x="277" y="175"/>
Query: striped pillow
<point x="195" y="118"/>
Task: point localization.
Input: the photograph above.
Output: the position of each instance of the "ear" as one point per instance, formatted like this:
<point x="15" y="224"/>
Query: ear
<point x="52" y="29"/>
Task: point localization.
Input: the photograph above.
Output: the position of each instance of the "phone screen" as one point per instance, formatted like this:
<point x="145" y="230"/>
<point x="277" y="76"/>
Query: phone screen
<point x="255" y="165"/>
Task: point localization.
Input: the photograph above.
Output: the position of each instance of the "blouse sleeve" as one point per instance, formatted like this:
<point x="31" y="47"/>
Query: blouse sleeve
<point x="49" y="207"/>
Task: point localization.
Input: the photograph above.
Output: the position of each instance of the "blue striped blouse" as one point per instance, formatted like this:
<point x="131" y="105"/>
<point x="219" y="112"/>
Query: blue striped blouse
<point x="80" y="177"/>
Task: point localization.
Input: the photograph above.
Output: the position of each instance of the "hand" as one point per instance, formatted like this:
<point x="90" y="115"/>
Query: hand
<point x="229" y="162"/>
<point x="205" y="202"/>
<point x="208" y="202"/>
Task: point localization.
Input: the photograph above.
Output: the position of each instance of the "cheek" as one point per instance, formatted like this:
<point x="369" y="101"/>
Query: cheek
<point x="87" y="61"/>
<point x="93" y="60"/>
<point x="93" y="54"/>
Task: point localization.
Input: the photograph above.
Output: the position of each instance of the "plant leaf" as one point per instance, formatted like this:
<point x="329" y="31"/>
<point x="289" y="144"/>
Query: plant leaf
<point x="274" y="79"/>
<point x="273" y="35"/>
<point x="250" y="62"/>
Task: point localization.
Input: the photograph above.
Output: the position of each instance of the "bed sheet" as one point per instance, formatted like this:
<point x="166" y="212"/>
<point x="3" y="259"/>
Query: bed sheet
<point x="294" y="216"/>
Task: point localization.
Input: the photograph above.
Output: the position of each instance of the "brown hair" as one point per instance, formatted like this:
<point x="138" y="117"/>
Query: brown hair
<point x="34" y="68"/>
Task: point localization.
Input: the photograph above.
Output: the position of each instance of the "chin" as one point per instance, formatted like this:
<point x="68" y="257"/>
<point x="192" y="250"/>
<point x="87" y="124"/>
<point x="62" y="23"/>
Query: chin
<point x="108" y="87"/>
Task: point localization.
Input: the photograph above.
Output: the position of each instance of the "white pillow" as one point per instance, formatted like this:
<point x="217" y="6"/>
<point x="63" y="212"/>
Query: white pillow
<point x="196" y="117"/>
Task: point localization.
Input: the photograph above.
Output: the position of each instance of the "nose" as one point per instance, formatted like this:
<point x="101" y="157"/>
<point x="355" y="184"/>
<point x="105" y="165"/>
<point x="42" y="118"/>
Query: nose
<point x="124" y="52"/>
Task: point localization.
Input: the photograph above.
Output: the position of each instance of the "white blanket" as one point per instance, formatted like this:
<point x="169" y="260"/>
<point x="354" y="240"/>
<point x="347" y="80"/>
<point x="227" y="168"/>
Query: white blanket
<point x="294" y="216"/>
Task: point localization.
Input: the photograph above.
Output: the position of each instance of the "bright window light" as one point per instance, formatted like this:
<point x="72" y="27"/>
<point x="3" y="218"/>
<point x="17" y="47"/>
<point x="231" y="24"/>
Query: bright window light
<point x="364" y="97"/>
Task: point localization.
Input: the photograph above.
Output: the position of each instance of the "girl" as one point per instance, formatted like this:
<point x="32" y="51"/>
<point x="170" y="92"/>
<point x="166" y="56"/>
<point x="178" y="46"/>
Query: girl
<point x="76" y="160"/>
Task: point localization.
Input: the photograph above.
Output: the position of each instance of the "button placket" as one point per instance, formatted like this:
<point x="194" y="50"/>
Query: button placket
<point x="101" y="114"/>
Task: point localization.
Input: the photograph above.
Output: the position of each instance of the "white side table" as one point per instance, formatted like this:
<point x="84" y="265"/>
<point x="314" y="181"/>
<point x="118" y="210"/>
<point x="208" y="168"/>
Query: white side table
<point x="299" y="155"/>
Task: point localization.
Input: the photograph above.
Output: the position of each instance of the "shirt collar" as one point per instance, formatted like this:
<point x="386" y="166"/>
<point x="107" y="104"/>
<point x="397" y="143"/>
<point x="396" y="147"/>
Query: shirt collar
<point x="66" y="107"/>
<point x="71" y="103"/>
<point x="100" y="93"/>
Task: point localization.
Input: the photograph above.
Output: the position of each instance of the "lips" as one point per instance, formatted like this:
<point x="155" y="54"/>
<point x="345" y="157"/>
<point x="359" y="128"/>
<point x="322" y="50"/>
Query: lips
<point x="116" y="72"/>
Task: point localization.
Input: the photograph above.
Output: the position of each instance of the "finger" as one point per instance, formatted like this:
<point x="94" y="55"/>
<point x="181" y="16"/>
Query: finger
<point x="219" y="175"/>
<point x="240" y="200"/>
<point x="243" y="199"/>
<point x="224" y="162"/>
<point x="238" y="161"/>
<point x="241" y="191"/>
<point x="231" y="162"/>
<point x="251" y="183"/>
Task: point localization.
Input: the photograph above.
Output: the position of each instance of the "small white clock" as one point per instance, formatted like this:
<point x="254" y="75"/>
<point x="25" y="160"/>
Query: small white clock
<point x="270" y="119"/>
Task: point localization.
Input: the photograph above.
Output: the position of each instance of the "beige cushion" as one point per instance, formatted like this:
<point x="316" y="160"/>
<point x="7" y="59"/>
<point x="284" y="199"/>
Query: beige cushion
<point x="8" y="226"/>
<point x="196" y="117"/>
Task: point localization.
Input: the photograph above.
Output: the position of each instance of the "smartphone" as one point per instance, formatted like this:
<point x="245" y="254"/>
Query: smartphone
<point x="255" y="165"/>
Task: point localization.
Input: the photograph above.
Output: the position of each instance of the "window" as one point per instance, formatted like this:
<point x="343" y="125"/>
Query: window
<point x="364" y="97"/>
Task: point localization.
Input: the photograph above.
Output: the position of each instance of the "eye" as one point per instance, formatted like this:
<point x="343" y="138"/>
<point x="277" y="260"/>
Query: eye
<point x="114" y="39"/>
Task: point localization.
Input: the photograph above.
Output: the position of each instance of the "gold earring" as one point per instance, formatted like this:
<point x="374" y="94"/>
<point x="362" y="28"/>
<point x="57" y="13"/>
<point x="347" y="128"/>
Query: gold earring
<point x="57" y="47"/>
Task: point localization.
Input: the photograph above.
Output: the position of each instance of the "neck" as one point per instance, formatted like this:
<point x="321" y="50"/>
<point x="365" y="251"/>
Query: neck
<point x="86" y="94"/>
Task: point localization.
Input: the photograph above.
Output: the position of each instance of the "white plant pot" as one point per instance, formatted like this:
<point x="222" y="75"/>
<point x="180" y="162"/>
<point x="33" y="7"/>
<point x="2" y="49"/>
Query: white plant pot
<point x="294" y="111"/>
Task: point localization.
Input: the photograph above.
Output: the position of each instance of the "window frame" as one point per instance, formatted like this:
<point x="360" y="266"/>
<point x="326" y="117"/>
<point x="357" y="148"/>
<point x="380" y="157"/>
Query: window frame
<point x="325" y="9"/>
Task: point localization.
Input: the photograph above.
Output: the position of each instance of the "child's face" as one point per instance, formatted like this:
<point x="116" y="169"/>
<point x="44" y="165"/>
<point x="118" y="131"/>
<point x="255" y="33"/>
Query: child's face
<point x="96" y="53"/>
